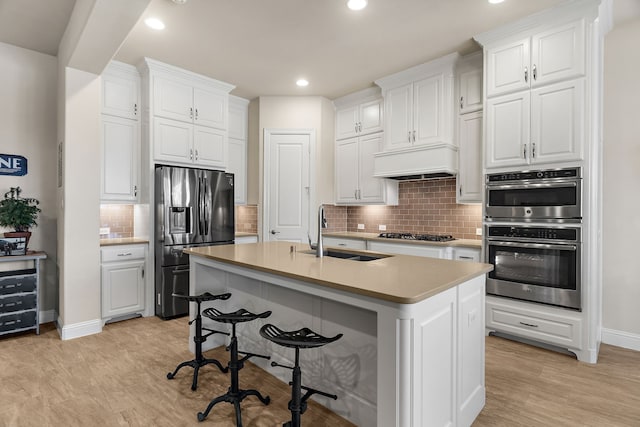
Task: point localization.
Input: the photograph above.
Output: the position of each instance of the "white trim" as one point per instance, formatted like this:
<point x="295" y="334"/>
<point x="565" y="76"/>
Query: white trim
<point x="267" y="169"/>
<point x="621" y="339"/>
<point x="77" y="330"/>
<point x="46" y="316"/>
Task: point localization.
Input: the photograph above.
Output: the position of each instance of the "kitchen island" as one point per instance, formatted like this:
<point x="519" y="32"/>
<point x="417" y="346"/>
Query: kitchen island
<point x="413" y="347"/>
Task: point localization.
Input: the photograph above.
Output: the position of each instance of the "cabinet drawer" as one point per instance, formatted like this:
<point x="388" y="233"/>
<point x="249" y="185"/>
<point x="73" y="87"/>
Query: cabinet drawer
<point x="345" y="243"/>
<point x="534" y="324"/>
<point x="13" y="303"/>
<point x="12" y="322"/>
<point x="19" y="281"/>
<point x="122" y="253"/>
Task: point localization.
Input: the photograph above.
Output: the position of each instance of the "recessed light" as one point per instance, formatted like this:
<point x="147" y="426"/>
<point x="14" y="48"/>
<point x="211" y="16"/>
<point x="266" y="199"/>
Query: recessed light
<point x="302" y="82"/>
<point x="357" y="4"/>
<point x="495" y="1"/>
<point x="154" y="23"/>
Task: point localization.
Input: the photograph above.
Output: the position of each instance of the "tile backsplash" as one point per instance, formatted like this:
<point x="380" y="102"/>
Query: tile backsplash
<point x="424" y="207"/>
<point x="247" y="219"/>
<point x="118" y="219"/>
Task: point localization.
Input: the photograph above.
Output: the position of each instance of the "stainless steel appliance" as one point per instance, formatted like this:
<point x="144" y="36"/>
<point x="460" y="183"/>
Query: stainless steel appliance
<point x="193" y="207"/>
<point x="543" y="195"/>
<point x="539" y="263"/>
<point x="423" y="237"/>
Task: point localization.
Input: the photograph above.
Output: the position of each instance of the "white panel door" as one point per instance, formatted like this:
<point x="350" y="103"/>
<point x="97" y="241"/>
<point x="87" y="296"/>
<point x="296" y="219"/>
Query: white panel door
<point x="347" y="171"/>
<point x="122" y="288"/>
<point x="210" y="108"/>
<point x="209" y="147"/>
<point x="288" y="197"/>
<point x="399" y="117"/>
<point x="238" y="120"/>
<point x="508" y="67"/>
<point x="119" y="159"/>
<point x="507" y="130"/>
<point x="470" y="84"/>
<point x="558" y="54"/>
<point x="427" y="104"/>
<point x="469" y="178"/>
<point x="371" y="189"/>
<point x="557" y="122"/>
<point x="347" y="122"/>
<point x="120" y="96"/>
<point x="370" y="117"/>
<point x="172" y="99"/>
<point x="172" y="141"/>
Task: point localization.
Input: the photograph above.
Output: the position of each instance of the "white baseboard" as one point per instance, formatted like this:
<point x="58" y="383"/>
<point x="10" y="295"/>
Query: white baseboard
<point x="621" y="339"/>
<point x="47" y="316"/>
<point x="77" y="330"/>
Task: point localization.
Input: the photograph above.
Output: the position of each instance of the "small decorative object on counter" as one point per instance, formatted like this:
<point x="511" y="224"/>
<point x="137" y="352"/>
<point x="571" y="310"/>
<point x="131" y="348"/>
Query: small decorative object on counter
<point x="20" y="214"/>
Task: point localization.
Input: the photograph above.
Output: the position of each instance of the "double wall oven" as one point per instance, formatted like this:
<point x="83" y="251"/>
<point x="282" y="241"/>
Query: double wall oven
<point x="533" y="224"/>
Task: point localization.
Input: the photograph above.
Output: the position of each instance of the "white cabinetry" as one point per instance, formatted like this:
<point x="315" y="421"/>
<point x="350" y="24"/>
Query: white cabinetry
<point x="355" y="183"/>
<point x="466" y="254"/>
<point x="188" y="116"/>
<point x="345" y="243"/>
<point x="120" y="136"/>
<point x="361" y="119"/>
<point x="238" y="131"/>
<point x="470" y="89"/>
<point x="123" y="280"/>
<point x="443" y="252"/>
<point x="246" y="239"/>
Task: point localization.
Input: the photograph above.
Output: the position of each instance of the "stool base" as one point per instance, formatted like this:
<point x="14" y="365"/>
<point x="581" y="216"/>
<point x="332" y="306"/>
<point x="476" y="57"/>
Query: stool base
<point x="196" y="365"/>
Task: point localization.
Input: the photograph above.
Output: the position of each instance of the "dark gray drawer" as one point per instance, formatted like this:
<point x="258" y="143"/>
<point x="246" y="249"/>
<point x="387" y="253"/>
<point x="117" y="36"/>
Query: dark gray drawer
<point x="17" y="283"/>
<point x="15" y="321"/>
<point x="12" y="303"/>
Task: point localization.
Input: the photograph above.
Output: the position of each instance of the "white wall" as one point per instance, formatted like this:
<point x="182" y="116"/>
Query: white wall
<point x="28" y="128"/>
<point x="621" y="197"/>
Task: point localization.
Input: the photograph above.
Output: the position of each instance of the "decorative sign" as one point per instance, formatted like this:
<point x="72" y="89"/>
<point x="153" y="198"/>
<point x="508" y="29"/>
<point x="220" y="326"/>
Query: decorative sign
<point x="11" y="164"/>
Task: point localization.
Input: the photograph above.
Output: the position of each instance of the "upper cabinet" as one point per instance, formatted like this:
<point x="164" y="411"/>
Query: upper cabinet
<point x="544" y="57"/>
<point x="470" y="89"/>
<point x="120" y="134"/>
<point x="418" y="104"/>
<point x="361" y="119"/>
<point x="238" y="134"/>
<point x="189" y="116"/>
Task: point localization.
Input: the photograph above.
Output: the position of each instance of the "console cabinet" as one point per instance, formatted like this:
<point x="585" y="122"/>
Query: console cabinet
<point x="123" y="280"/>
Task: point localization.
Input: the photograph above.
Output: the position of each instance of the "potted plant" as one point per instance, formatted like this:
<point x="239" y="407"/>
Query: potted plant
<point x="18" y="213"/>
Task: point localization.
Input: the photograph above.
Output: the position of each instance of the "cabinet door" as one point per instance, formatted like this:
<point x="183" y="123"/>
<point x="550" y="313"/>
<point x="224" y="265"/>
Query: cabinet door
<point x="238" y="121"/>
<point x="172" y="99"/>
<point x="558" y="54"/>
<point x="209" y="147"/>
<point x="237" y="165"/>
<point x="347" y="122"/>
<point x="507" y="130"/>
<point x="557" y="122"/>
<point x="371" y="189"/>
<point x="470" y="86"/>
<point x="508" y="68"/>
<point x="370" y="117"/>
<point x="469" y="177"/>
<point x="120" y="96"/>
<point x="428" y="110"/>
<point x="398" y="107"/>
<point x="172" y="141"/>
<point x="347" y="171"/>
<point x="210" y="108"/>
<point x="122" y="288"/>
<point x="120" y="145"/>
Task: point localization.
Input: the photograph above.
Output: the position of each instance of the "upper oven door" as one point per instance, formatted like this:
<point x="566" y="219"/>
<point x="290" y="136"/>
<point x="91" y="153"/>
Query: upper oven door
<point x="534" y="201"/>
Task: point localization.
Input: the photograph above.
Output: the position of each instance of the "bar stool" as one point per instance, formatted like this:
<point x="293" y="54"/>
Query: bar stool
<point x="234" y="394"/>
<point x="198" y="338"/>
<point x="302" y="338"/>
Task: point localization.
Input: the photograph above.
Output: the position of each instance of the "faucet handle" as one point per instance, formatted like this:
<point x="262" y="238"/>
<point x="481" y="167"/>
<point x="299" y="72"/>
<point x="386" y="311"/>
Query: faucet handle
<point x="313" y="248"/>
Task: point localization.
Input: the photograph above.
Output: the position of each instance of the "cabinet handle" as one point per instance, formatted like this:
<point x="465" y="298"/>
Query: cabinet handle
<point x="135" y="109"/>
<point x="533" y="150"/>
<point x="355" y="127"/>
<point x="143" y="272"/>
<point x="414" y="136"/>
<point x="191" y="154"/>
<point x="534" y="72"/>
<point x="196" y="154"/>
<point x="526" y="75"/>
<point x="355" y="194"/>
<point x="191" y="113"/>
<point x="461" y="102"/>
<point x="196" y="114"/>
<point x="524" y="151"/>
<point x="342" y="244"/>
<point x="465" y="257"/>
<point x="529" y="324"/>
<point x="135" y="191"/>
<point x="460" y="190"/>
<point x="409" y="136"/>
<point x="359" y="196"/>
<point x="125" y="254"/>
<point x="360" y="127"/>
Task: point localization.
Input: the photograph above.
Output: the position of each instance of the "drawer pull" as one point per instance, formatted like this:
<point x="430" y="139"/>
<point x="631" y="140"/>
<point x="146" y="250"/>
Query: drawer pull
<point x="125" y="254"/>
<point x="465" y="257"/>
<point x="529" y="324"/>
<point x="342" y="244"/>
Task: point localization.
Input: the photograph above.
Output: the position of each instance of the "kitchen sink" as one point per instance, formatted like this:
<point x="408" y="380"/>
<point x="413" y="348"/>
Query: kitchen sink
<point x="353" y="256"/>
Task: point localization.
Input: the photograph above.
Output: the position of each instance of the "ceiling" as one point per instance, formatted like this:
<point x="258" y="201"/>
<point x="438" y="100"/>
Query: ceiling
<point x="263" y="46"/>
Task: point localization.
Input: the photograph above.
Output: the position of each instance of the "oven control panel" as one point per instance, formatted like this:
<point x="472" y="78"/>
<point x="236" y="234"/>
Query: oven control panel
<point x="534" y="233"/>
<point x="534" y="175"/>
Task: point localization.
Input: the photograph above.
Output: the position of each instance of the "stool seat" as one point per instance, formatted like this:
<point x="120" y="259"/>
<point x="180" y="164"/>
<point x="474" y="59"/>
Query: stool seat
<point x="302" y="338"/>
<point x="238" y="316"/>
<point x="202" y="297"/>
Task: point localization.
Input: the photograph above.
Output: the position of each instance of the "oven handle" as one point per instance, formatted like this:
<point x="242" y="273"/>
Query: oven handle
<point x="532" y="185"/>
<point x="572" y="248"/>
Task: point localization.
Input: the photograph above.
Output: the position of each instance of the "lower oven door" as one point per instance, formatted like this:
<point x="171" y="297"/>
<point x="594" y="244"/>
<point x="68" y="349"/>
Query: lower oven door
<point x="544" y="273"/>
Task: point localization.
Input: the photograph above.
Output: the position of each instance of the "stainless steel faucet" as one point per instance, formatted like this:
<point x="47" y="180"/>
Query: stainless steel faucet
<point x="322" y="223"/>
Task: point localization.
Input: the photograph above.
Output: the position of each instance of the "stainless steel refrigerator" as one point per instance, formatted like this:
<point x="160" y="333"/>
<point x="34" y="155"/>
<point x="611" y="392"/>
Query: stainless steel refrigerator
<point x="193" y="207"/>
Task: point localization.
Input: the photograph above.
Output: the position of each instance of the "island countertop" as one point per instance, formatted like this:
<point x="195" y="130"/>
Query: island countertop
<point x="401" y="279"/>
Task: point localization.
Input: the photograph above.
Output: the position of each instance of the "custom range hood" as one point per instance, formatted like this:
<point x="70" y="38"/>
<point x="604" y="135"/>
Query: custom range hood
<point x="418" y="162"/>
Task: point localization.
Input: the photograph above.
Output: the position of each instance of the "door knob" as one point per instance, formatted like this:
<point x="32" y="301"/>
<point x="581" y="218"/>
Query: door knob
<point x="275" y="232"/>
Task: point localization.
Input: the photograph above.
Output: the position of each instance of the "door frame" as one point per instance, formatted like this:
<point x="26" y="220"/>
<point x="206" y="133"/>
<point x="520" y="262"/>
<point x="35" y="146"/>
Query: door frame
<point x="266" y="170"/>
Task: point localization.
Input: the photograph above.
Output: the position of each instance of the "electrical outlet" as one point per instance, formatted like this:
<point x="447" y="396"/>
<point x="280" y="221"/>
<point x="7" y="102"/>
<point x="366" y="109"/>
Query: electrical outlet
<point x="360" y="226"/>
<point x="104" y="230"/>
<point x="382" y="227"/>
<point x="478" y="231"/>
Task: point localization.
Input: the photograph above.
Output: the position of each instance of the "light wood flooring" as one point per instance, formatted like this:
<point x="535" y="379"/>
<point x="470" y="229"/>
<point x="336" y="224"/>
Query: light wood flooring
<point x="118" y="378"/>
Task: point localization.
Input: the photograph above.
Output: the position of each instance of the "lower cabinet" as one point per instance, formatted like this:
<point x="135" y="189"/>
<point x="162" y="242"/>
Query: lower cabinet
<point x="246" y="239"/>
<point x="466" y="254"/>
<point x="123" y="280"/>
<point x="442" y="252"/>
<point x="338" y="242"/>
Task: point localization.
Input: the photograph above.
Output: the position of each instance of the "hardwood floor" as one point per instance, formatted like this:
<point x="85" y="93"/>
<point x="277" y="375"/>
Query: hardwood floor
<point x="118" y="378"/>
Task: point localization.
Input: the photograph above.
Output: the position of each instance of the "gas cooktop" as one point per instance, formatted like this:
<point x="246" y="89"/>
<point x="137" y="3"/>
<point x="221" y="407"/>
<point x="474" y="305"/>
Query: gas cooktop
<point x="425" y="237"/>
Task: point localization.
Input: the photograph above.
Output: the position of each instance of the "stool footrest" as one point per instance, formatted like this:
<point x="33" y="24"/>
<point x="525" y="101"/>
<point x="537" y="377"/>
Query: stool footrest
<point x="247" y="356"/>
<point x="213" y="331"/>
<point x="310" y="391"/>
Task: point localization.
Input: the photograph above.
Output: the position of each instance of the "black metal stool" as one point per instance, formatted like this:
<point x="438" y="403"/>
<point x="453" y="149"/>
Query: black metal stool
<point x="198" y="338"/>
<point x="302" y="338"/>
<point x="235" y="395"/>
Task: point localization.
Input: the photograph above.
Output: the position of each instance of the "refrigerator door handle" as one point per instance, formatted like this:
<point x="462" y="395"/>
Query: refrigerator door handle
<point x="205" y="208"/>
<point x="201" y="219"/>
